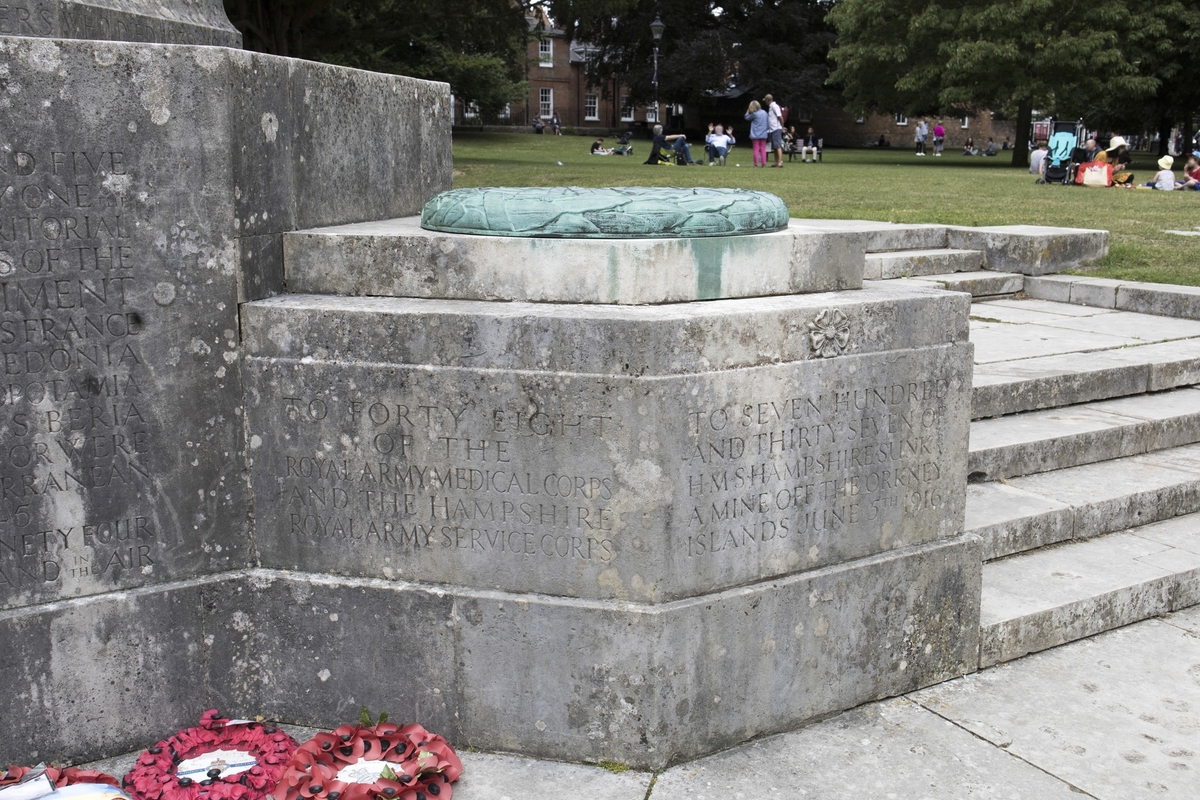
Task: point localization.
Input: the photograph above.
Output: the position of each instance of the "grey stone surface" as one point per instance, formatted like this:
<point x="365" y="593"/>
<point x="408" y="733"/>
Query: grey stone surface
<point x="567" y="470"/>
<point x="1040" y="441"/>
<point x="196" y="22"/>
<point x="398" y="258"/>
<point x="1039" y="600"/>
<point x="119" y="284"/>
<point x="893" y="749"/>
<point x="907" y="263"/>
<point x="883" y="236"/>
<point x="1161" y="299"/>
<point x="1113" y="715"/>
<point x="1052" y="381"/>
<point x="500" y="777"/>
<point x="98" y="676"/>
<point x="981" y="284"/>
<point x="1008" y="520"/>
<point x="1031" y="249"/>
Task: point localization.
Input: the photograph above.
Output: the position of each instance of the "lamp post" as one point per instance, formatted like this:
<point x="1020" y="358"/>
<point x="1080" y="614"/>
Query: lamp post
<point x="656" y="29"/>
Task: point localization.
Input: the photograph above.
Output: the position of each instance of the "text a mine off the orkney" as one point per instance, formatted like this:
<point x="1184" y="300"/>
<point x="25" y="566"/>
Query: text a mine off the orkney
<point x="419" y="476"/>
<point x="812" y="479"/>
<point x="74" y="421"/>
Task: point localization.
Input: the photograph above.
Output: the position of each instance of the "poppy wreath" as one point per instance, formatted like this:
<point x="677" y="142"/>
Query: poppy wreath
<point x="60" y="777"/>
<point x="154" y="776"/>
<point x="416" y="765"/>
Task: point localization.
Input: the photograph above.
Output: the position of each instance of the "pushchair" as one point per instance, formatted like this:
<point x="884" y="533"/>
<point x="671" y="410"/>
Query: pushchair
<point x="1064" y="153"/>
<point x="624" y="147"/>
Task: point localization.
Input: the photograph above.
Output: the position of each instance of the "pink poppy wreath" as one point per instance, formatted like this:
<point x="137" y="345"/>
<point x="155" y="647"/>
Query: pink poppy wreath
<point x="372" y="762"/>
<point x="219" y="760"/>
<point x="66" y="776"/>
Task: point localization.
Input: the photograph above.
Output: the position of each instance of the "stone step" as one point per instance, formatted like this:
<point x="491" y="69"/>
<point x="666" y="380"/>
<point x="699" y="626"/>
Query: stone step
<point x="1082" y="502"/>
<point x="909" y="263"/>
<point x="1056" y="595"/>
<point x="1064" y="379"/>
<point x="1041" y="441"/>
<point x="979" y="284"/>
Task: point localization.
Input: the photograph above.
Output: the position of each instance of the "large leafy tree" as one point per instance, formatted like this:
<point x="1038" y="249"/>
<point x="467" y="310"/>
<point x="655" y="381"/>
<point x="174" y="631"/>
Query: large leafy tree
<point x="709" y="48"/>
<point x="924" y="56"/>
<point x="477" y="46"/>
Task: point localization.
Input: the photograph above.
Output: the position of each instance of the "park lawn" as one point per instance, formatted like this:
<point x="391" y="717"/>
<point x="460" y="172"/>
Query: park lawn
<point x="889" y="184"/>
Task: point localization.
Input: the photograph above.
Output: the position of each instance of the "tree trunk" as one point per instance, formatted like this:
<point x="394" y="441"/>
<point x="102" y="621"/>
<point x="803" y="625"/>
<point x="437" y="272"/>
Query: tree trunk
<point x="1164" y="137"/>
<point x="1020" y="157"/>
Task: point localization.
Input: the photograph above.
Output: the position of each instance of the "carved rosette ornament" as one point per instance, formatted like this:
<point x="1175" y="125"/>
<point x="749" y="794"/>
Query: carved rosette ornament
<point x="221" y="759"/>
<point x="829" y="333"/>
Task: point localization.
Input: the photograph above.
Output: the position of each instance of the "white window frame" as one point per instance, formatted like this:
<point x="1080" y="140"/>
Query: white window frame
<point x="627" y="110"/>
<point x="470" y="110"/>
<point x="652" y="115"/>
<point x="861" y="119"/>
<point x="966" y="123"/>
<point x="506" y="112"/>
<point x="591" y="107"/>
<point x="546" y="52"/>
<point x="901" y="119"/>
<point x="545" y="102"/>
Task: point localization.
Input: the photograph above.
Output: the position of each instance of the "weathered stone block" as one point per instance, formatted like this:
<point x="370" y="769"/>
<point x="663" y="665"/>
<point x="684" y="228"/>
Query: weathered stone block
<point x="98" y="676"/>
<point x="534" y="462"/>
<point x="398" y="258"/>
<point x="169" y="22"/>
<point x="1032" y="249"/>
<point x="144" y="195"/>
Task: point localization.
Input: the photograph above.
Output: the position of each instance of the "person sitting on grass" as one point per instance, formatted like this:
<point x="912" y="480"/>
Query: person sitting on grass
<point x="1037" y="159"/>
<point x="1164" y="179"/>
<point x="598" y="148"/>
<point x="969" y="147"/>
<point x="1117" y="154"/>
<point x="1191" y="173"/>
<point x="717" y="143"/>
<point x="990" y="150"/>
<point x="676" y="142"/>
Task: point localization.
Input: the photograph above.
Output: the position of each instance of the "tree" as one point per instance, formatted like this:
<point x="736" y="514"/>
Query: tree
<point x="709" y="49"/>
<point x="477" y="46"/>
<point x="1014" y="55"/>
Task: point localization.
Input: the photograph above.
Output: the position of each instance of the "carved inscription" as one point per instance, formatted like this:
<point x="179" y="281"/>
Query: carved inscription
<point x="75" y="431"/>
<point x="775" y="471"/>
<point x="418" y="474"/>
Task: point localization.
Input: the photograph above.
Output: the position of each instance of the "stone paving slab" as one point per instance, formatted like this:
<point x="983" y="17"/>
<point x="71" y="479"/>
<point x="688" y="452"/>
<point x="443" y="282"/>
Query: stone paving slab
<point x="1046" y="307"/>
<point x="1050" y="381"/>
<point x="891" y="749"/>
<point x="1151" y="298"/>
<point x="1084" y="501"/>
<point x="982" y="283"/>
<point x="884" y="266"/>
<point x="1042" y="599"/>
<point x="1038" y="441"/>
<point x="1114" y="715"/>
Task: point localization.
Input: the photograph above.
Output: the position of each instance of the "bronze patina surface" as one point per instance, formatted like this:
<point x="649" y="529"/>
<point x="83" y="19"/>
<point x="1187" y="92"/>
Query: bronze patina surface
<point x="627" y="212"/>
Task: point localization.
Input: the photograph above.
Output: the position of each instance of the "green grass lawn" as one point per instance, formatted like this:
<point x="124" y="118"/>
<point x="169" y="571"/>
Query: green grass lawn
<point x="892" y="185"/>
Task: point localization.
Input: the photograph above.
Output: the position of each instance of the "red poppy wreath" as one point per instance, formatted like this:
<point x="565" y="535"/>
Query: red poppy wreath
<point x="372" y="762"/>
<point x="220" y="759"/>
<point x="24" y="783"/>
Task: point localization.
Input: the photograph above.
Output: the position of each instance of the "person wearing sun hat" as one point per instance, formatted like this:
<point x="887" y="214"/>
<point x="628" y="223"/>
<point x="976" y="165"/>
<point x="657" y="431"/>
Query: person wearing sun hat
<point x="1117" y="154"/>
<point x="1164" y="179"/>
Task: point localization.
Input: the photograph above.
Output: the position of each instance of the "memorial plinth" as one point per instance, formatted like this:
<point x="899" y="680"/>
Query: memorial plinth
<point x="610" y="526"/>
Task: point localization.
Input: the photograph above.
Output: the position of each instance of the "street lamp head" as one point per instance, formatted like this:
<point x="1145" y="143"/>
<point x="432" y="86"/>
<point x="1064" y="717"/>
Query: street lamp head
<point x="657" y="27"/>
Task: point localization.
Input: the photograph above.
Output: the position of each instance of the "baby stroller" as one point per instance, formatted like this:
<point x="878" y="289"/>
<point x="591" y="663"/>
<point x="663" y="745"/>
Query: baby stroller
<point x="1062" y="159"/>
<point x="623" y="148"/>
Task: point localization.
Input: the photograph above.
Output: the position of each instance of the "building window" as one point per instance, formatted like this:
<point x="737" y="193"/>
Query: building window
<point x="966" y="122"/>
<point x="901" y="119"/>
<point x="860" y="119"/>
<point x="803" y="115"/>
<point x="506" y="112"/>
<point x="471" y="110"/>
<point x="591" y="107"/>
<point x="626" y="109"/>
<point x="546" y="52"/>
<point x="545" y="103"/>
<point x="651" y="114"/>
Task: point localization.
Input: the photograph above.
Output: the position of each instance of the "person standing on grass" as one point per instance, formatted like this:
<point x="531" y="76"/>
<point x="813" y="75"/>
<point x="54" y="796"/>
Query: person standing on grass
<point x="758" y="132"/>
<point x="920" y="135"/>
<point x="939" y="139"/>
<point x="774" y="129"/>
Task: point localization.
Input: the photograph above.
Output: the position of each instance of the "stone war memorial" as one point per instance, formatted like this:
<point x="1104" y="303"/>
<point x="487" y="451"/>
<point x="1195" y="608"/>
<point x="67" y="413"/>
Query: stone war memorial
<point x="292" y="428"/>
